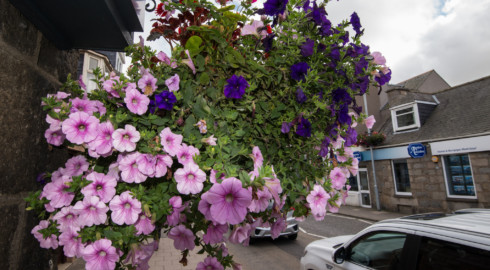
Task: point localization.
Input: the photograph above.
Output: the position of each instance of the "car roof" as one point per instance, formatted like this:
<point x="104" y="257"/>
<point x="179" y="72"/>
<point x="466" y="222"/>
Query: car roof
<point x="475" y="223"/>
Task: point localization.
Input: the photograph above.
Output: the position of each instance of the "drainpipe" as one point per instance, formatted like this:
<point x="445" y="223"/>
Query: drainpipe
<point x="376" y="193"/>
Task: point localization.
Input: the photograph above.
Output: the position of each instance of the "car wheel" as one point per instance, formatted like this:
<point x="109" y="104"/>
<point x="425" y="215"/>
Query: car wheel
<point x="293" y="236"/>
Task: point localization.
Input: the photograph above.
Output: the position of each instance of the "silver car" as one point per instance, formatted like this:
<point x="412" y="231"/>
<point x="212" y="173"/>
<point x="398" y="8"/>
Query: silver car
<point x="425" y="241"/>
<point x="291" y="230"/>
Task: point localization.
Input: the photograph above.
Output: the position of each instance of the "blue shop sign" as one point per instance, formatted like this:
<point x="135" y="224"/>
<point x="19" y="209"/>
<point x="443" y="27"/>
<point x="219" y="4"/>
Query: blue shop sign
<point x="358" y="155"/>
<point x="416" y="150"/>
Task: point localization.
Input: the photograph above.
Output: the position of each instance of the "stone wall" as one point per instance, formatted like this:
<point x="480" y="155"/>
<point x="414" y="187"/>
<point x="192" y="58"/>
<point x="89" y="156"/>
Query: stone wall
<point x="429" y="193"/>
<point x="31" y="68"/>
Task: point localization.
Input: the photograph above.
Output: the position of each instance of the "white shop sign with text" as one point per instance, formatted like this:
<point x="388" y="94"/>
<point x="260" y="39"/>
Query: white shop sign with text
<point x="475" y="144"/>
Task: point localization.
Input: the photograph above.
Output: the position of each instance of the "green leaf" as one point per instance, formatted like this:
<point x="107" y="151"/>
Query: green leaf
<point x="204" y="78"/>
<point x="193" y="44"/>
<point x="112" y="235"/>
<point x="189" y="125"/>
<point x="159" y="121"/>
<point x="239" y="133"/>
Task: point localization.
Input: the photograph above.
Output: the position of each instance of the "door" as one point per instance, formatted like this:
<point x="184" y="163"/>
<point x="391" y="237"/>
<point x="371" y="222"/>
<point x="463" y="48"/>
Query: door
<point x="365" y="196"/>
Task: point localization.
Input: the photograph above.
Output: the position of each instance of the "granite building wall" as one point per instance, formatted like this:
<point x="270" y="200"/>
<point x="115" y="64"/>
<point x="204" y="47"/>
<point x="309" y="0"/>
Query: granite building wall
<point x="428" y="187"/>
<point x="31" y="67"/>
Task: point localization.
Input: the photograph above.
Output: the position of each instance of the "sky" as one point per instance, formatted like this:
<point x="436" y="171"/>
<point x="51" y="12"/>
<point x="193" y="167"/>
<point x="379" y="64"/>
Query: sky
<point x="451" y="37"/>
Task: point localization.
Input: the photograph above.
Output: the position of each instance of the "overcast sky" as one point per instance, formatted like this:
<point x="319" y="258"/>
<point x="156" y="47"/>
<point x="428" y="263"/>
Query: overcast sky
<point x="450" y="36"/>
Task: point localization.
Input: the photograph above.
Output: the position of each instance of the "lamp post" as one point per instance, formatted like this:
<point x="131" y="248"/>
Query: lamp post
<point x="376" y="193"/>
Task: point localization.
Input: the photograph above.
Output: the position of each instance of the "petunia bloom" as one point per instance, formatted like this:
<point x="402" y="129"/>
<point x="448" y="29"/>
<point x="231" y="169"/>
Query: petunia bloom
<point x="317" y="201"/>
<point x="71" y="242"/>
<point x="173" y="83"/>
<point x="214" y="233"/>
<point x="236" y="87"/>
<point x="229" y="201"/>
<point x="183" y="238"/>
<point x="256" y="28"/>
<point x="275" y="7"/>
<point x="66" y="218"/>
<point x="210" y="263"/>
<point x="147" y="84"/>
<point x="189" y="62"/>
<point x="54" y="137"/>
<point x="378" y="58"/>
<point x="211" y="140"/>
<point x="299" y="71"/>
<point x="103" y="186"/>
<point x="170" y="141"/>
<point x="80" y="127"/>
<point x="102" y="144"/>
<point x="257" y="157"/>
<point x="241" y="234"/>
<point x="100" y="255"/>
<point x="356" y="22"/>
<point x="300" y="96"/>
<point x="338" y="178"/>
<point x="144" y="225"/>
<point x="125" y="209"/>
<point x="91" y="211"/>
<point x="165" y="100"/>
<point x="136" y="102"/>
<point x="369" y="122"/>
<point x="307" y="47"/>
<point x="190" y="179"/>
<point x="57" y="194"/>
<point x="75" y="166"/>
<point x="162" y="163"/>
<point x="49" y="242"/>
<point x="185" y="154"/>
<point x="304" y="128"/>
<point x="124" y="140"/>
<point x="130" y="173"/>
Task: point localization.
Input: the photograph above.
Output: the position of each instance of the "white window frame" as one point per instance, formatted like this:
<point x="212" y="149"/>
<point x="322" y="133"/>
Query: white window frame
<point x="394" y="179"/>
<point x="86" y="66"/>
<point x="394" y="119"/>
<point x="446" y="180"/>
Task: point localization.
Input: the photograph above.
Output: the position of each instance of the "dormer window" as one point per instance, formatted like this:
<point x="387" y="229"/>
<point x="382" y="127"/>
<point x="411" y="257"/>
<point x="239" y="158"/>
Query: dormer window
<point x="405" y="117"/>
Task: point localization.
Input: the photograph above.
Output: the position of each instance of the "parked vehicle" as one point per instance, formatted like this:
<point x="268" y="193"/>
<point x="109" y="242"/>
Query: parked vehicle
<point x="426" y="241"/>
<point x="291" y="231"/>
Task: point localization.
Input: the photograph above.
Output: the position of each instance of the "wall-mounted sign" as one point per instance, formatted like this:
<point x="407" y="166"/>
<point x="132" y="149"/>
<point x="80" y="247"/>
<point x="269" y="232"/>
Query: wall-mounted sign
<point x="467" y="145"/>
<point x="416" y="150"/>
<point x="358" y="155"/>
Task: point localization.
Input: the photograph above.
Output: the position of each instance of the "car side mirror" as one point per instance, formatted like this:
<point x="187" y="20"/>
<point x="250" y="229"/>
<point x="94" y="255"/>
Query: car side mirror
<point x="339" y="255"/>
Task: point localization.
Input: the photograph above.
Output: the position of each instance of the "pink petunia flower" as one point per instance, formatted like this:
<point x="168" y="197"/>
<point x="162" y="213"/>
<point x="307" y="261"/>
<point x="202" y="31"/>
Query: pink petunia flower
<point x="147" y="84"/>
<point x="91" y="211"/>
<point x="256" y="28"/>
<point x="183" y="238"/>
<point x="229" y="201"/>
<point x="189" y="62"/>
<point x="67" y="218"/>
<point x="278" y="227"/>
<point x="262" y="201"/>
<point x="125" y="209"/>
<point x="203" y="128"/>
<point x="54" y="137"/>
<point x="146" y="164"/>
<point x="175" y="201"/>
<point x="103" y="186"/>
<point x="354" y="168"/>
<point x="71" y="242"/>
<point x="210" y="263"/>
<point x="100" y="255"/>
<point x="257" y="157"/>
<point x="80" y="127"/>
<point x="110" y="86"/>
<point x="49" y="242"/>
<point x="190" y="179"/>
<point x="317" y="201"/>
<point x="214" y="234"/>
<point x="136" y="102"/>
<point x="56" y="193"/>
<point x="75" y="166"/>
<point x="369" y="122"/>
<point x="211" y="140"/>
<point x="185" y="154"/>
<point x="102" y="144"/>
<point x="241" y="234"/>
<point x="205" y="207"/>
<point x="338" y="178"/>
<point x="124" y="140"/>
<point x="54" y="124"/>
<point x="378" y="58"/>
<point x="170" y="141"/>
<point x="173" y="83"/>
<point x="144" y="225"/>
<point x="101" y="109"/>
<point x="162" y="56"/>
<point x="130" y="172"/>
<point x="162" y="163"/>
<point x="82" y="105"/>
<point x="140" y="255"/>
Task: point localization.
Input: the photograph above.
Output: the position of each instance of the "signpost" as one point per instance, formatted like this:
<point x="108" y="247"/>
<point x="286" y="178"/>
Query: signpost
<point x="416" y="150"/>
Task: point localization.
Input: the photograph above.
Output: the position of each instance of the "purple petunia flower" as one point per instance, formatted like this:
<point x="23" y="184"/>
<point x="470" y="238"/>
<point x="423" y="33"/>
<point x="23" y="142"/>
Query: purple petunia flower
<point x="183" y="238"/>
<point x="54" y="137"/>
<point x="144" y="225"/>
<point x="299" y="71"/>
<point x="304" y="128"/>
<point x="229" y="201"/>
<point x="165" y="100"/>
<point x="286" y="127"/>
<point x="214" y="233"/>
<point x="300" y="96"/>
<point x="267" y="42"/>
<point x="307" y="47"/>
<point x="236" y="87"/>
<point x="324" y="147"/>
<point x="173" y="83"/>
<point x="210" y="263"/>
<point x="147" y="84"/>
<point x="361" y="65"/>
<point x="275" y="7"/>
<point x="382" y="78"/>
<point x="356" y="23"/>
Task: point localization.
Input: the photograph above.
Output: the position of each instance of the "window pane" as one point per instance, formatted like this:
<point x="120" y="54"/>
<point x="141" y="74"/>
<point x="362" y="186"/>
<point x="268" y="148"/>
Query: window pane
<point x="364" y="180"/>
<point x="91" y="85"/>
<point x="438" y="254"/>
<point x="404" y="111"/>
<point x="402" y="179"/>
<point x="405" y="120"/>
<point x="353" y="183"/>
<point x="93" y="63"/>
<point x="459" y="175"/>
<point x="380" y="250"/>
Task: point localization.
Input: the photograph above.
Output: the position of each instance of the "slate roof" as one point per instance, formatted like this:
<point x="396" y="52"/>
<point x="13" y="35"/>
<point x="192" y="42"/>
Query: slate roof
<point x="464" y="110"/>
<point x="416" y="82"/>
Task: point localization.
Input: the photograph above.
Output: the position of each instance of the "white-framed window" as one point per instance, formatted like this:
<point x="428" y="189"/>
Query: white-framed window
<point x="405" y="117"/>
<point x="401" y="177"/>
<point x="459" y="176"/>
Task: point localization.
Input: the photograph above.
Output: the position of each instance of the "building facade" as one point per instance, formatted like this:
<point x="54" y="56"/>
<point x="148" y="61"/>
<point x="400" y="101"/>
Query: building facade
<point x="436" y="155"/>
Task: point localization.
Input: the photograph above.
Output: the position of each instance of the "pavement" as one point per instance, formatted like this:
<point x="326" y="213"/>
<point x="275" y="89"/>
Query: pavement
<point x="167" y="257"/>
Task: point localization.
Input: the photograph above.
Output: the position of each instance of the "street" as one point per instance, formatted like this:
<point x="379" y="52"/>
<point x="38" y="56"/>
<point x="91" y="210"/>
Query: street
<point x="280" y="254"/>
